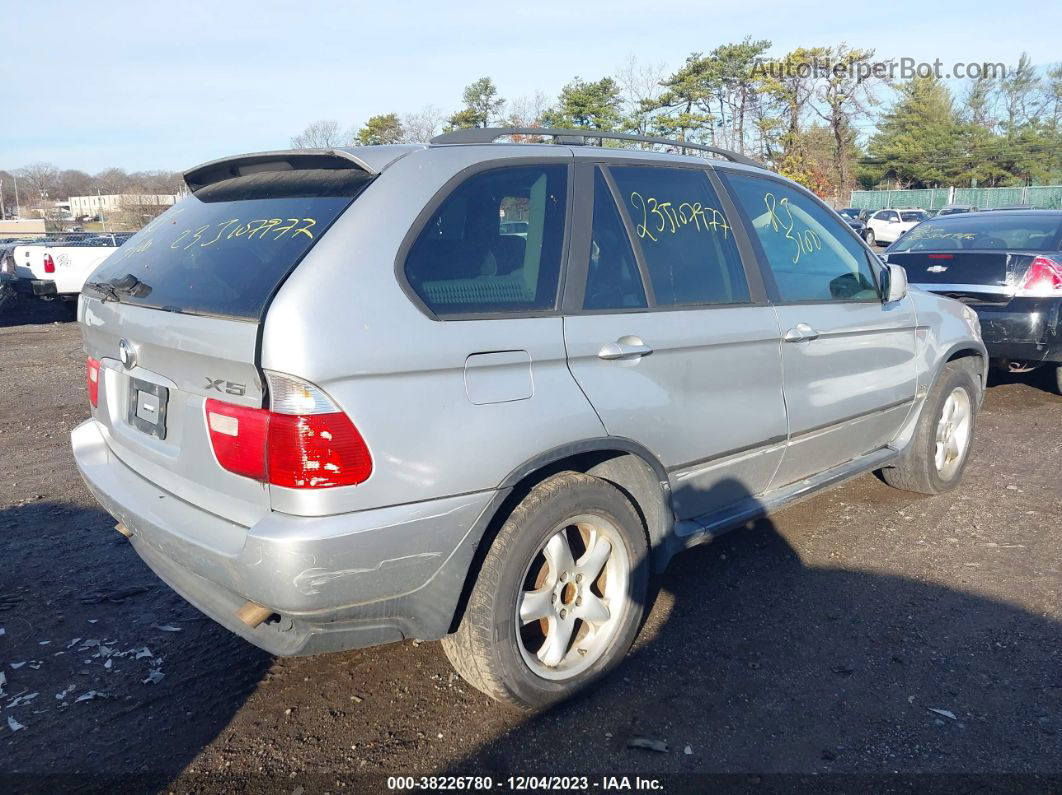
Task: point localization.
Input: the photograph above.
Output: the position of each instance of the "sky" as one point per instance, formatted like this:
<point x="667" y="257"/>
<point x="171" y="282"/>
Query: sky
<point x="155" y="85"/>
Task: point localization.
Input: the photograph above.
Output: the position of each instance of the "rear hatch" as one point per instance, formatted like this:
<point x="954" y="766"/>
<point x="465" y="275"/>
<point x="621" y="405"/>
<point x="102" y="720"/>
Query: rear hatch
<point x="978" y="258"/>
<point x="173" y="316"/>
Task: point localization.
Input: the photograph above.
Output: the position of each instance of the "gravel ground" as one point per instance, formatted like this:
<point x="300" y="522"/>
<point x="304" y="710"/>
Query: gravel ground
<point x="865" y="631"/>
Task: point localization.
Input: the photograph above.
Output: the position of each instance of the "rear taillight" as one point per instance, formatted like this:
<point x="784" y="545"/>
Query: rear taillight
<point x="238" y="436"/>
<point x="92" y="380"/>
<point x="49" y="264"/>
<point x="303" y="441"/>
<point x="1044" y="277"/>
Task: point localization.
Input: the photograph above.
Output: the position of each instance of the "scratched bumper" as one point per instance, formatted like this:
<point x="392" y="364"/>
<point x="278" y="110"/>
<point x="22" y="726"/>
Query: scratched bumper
<point x="1025" y="329"/>
<point x="336" y="582"/>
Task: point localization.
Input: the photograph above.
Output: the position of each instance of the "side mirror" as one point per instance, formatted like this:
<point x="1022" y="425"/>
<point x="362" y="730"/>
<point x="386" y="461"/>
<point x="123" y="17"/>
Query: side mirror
<point x="895" y="283"/>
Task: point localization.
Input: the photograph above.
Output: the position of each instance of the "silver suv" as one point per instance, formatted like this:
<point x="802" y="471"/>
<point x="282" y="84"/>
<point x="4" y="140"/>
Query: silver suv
<point x="483" y="391"/>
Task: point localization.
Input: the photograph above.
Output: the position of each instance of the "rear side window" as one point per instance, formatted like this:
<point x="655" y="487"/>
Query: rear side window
<point x="686" y="241"/>
<point x="812" y="255"/>
<point x="225" y="249"/>
<point x="612" y="279"/>
<point x="494" y="244"/>
<point x="984" y="232"/>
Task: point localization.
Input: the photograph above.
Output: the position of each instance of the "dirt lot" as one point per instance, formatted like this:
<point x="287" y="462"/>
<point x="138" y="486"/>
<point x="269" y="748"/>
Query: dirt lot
<point x="867" y="631"/>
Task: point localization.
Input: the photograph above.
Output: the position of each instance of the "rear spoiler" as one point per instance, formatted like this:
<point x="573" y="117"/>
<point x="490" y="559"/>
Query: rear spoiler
<point x="370" y="159"/>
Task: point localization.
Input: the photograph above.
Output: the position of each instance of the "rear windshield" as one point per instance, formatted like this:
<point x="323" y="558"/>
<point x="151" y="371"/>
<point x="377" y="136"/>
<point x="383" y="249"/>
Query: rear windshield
<point x="225" y="249"/>
<point x="913" y="216"/>
<point x="980" y="232"/>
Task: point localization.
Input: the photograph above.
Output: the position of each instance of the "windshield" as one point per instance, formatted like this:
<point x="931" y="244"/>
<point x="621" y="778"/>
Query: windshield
<point x="848" y="212"/>
<point x="225" y="249"/>
<point x="980" y="231"/>
<point x="909" y="216"/>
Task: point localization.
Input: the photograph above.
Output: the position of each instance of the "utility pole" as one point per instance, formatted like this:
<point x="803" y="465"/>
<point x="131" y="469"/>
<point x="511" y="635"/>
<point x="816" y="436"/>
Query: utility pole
<point x="18" y="204"/>
<point x="103" y="220"/>
<point x="3" y="214"/>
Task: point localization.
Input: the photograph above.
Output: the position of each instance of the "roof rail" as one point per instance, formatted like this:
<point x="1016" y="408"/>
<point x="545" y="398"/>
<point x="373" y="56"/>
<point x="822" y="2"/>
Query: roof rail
<point x="486" y="135"/>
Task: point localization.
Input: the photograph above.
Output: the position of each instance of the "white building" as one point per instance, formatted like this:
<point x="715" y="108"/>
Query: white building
<point x="82" y="206"/>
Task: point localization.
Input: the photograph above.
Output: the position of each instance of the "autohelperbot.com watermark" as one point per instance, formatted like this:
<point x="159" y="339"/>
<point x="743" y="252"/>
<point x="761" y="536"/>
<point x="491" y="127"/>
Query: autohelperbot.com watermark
<point x="866" y="69"/>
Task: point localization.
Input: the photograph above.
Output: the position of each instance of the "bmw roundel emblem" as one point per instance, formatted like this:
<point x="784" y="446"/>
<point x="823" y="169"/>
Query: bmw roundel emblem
<point x="127" y="354"/>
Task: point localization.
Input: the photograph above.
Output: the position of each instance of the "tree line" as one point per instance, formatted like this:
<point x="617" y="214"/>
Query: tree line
<point x="40" y="184"/>
<point x="819" y="115"/>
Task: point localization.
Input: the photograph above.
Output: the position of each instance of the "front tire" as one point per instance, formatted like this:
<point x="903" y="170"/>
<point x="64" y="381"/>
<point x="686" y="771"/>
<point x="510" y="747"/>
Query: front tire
<point x="1058" y="378"/>
<point x="560" y="596"/>
<point x="936" y="457"/>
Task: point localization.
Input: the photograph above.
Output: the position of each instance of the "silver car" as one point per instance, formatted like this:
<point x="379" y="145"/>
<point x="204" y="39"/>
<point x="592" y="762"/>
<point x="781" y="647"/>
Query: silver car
<point x="336" y="401"/>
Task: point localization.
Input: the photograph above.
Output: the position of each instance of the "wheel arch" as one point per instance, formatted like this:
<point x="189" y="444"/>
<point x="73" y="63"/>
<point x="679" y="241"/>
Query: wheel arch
<point x="627" y="465"/>
<point x="978" y="355"/>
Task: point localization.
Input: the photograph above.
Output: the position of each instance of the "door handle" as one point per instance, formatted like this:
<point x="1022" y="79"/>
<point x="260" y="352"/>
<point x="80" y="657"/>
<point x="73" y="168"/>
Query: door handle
<point x="626" y="347"/>
<point x="801" y="332"/>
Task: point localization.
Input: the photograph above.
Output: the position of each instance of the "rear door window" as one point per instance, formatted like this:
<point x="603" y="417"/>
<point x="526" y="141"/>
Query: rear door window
<point x="494" y="244"/>
<point x="225" y="249"/>
<point x="685" y="239"/>
<point x="811" y="255"/>
<point x="613" y="280"/>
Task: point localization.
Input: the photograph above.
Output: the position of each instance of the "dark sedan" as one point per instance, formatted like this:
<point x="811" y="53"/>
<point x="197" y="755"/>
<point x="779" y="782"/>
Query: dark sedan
<point x="1007" y="266"/>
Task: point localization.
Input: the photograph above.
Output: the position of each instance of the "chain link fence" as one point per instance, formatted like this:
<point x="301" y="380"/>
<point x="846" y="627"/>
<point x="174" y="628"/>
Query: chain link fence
<point x="1041" y="196"/>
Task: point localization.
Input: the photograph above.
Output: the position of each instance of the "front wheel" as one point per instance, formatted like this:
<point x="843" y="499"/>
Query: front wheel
<point x="937" y="454"/>
<point x="560" y="595"/>
<point x="1058" y="378"/>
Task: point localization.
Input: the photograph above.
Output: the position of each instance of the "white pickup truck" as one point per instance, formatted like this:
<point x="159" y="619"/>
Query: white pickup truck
<point x="58" y="269"/>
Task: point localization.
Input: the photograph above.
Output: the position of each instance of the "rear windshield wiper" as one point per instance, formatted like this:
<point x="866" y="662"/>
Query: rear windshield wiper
<point x="106" y="291"/>
<point x="113" y="289"/>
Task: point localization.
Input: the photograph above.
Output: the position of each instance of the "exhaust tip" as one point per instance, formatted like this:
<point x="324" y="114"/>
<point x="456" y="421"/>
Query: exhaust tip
<point x="125" y="531"/>
<point x="252" y="614"/>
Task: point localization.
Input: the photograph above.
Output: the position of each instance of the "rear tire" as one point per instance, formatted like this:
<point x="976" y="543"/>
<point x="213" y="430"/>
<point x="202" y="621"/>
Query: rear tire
<point x="7" y="297"/>
<point x="1058" y="378"/>
<point x="560" y="596"/>
<point x="936" y="457"/>
<point x="871" y="240"/>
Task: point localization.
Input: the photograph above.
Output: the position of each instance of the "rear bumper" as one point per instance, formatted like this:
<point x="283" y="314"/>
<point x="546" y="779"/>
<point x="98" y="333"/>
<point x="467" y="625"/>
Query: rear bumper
<point x="35" y="287"/>
<point x="1026" y="329"/>
<point x="336" y="582"/>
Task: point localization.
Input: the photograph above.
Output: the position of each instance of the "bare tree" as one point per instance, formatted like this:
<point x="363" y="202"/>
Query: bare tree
<point x="527" y="111"/>
<point x="321" y="134"/>
<point x="112" y="180"/>
<point x="72" y="182"/>
<point x="422" y="126"/>
<point x="641" y="85"/>
<point x="41" y="180"/>
<point x="134" y="212"/>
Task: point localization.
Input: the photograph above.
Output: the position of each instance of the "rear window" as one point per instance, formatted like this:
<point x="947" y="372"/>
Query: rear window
<point x="225" y="249"/>
<point x="912" y="216"/>
<point x="494" y="245"/>
<point x="975" y="231"/>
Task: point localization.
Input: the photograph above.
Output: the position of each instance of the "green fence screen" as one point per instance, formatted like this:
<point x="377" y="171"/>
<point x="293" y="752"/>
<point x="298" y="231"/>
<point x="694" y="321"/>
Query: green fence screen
<point x="1045" y="196"/>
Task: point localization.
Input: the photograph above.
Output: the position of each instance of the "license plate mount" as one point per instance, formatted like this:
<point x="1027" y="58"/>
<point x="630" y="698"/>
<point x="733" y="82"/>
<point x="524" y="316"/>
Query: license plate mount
<point x="147" y="407"/>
